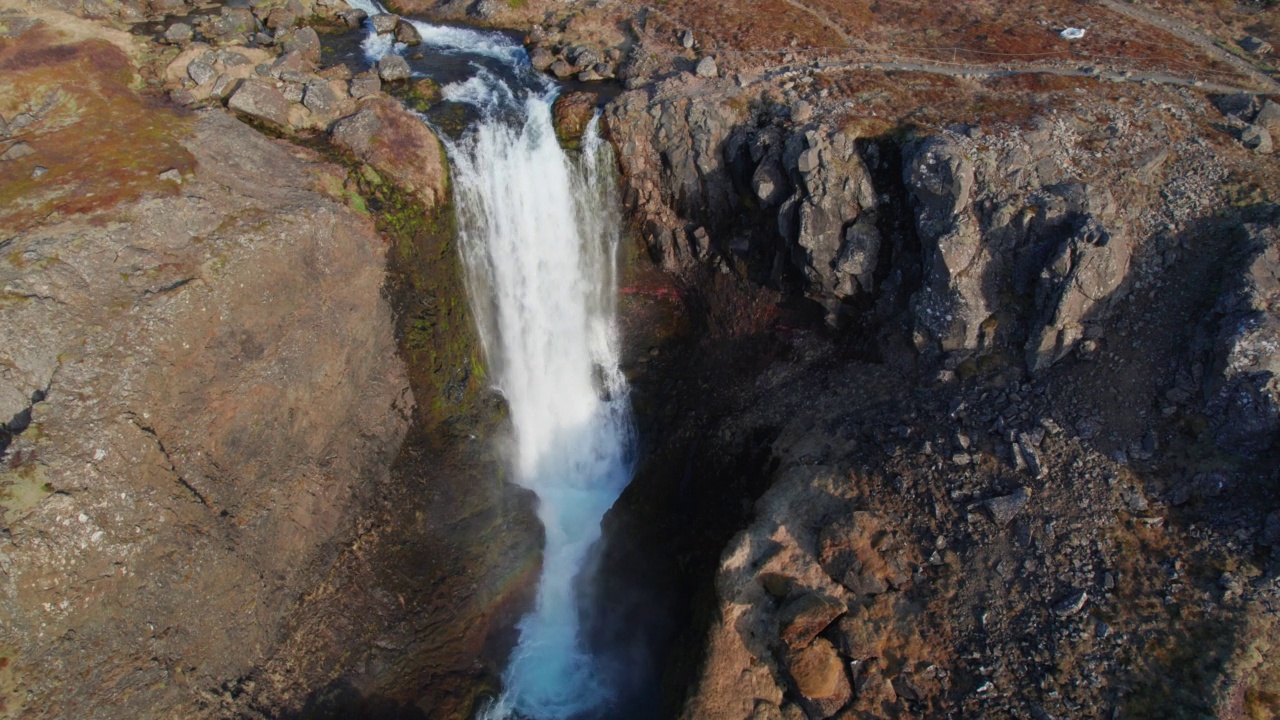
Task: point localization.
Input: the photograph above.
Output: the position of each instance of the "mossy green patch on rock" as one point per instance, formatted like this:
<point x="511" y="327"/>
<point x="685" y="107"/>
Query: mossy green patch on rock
<point x="421" y="94"/>
<point x="22" y="489"/>
<point x="428" y="291"/>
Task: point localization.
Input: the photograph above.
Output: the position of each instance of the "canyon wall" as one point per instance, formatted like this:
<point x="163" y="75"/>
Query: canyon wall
<point x="1069" y="342"/>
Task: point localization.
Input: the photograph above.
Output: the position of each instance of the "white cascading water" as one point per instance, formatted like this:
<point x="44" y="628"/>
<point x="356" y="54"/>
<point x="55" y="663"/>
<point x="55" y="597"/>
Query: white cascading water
<point x="539" y="235"/>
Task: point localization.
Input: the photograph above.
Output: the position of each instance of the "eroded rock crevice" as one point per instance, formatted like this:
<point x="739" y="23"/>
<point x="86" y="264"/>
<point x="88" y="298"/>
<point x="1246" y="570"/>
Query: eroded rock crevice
<point x="952" y="239"/>
<point x="1038" y="333"/>
<point x="941" y="417"/>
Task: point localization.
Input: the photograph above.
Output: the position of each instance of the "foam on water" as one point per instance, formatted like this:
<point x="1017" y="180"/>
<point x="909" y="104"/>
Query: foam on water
<point x="539" y="234"/>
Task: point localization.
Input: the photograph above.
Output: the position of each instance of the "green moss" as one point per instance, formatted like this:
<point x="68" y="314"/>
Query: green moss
<point x="422" y="94"/>
<point x="428" y="290"/>
<point x="23" y="488"/>
<point x="11" y="300"/>
<point x="370" y="176"/>
<point x="356" y="202"/>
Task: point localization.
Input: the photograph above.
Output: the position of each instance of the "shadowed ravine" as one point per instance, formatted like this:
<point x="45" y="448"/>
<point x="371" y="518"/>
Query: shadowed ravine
<point x="538" y="232"/>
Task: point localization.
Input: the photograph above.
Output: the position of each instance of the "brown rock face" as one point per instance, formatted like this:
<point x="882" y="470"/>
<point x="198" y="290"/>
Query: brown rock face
<point x="819" y="676"/>
<point x="806" y="616"/>
<point x="398" y="145"/>
<point x="216" y="380"/>
<point x="860" y="552"/>
<point x="572" y="111"/>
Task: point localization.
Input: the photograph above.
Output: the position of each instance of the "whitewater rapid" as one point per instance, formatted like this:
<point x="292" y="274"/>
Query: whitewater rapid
<point x="539" y="233"/>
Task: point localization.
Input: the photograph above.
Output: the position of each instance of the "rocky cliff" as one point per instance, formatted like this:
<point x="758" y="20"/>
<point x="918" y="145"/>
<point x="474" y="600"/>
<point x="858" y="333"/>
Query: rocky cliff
<point x="957" y="379"/>
<point x="238" y="386"/>
<point x="202" y="385"/>
<point x="1036" y="395"/>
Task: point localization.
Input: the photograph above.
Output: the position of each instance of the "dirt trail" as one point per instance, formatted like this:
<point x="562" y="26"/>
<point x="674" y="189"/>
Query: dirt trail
<point x="826" y="22"/>
<point x="1195" y="38"/>
<point x="962" y="70"/>
<point x="859" y="58"/>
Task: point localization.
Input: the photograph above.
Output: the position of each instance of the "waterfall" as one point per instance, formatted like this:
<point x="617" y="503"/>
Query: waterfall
<point x="539" y="243"/>
<point x="539" y="233"/>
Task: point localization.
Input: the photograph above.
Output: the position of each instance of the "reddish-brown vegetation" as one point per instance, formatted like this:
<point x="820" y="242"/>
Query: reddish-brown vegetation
<point x="100" y="142"/>
<point x="961" y="31"/>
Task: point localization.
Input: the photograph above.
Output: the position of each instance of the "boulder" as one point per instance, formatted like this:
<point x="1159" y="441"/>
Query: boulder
<point x="803" y="617"/>
<point x="1255" y="45"/>
<point x="366" y="83"/>
<point x="303" y="41"/>
<point x="399" y="146"/>
<point x="384" y="23"/>
<point x="355" y="18"/>
<point x="1083" y="272"/>
<point x="178" y="33"/>
<point x="424" y="92"/>
<point x="291" y="62"/>
<point x="162" y="8"/>
<point x="222" y="86"/>
<point x="1269" y="117"/>
<point x="583" y="56"/>
<point x="706" y="68"/>
<point x="392" y="67"/>
<point x="281" y="19"/>
<point x="571" y="112"/>
<point x="232" y="25"/>
<point x="17" y="151"/>
<point x="1242" y="106"/>
<point x="261" y="100"/>
<point x="407" y="33"/>
<point x="1070" y="603"/>
<point x="819" y="677"/>
<point x="1005" y="508"/>
<point x="1257" y="138"/>
<point x="541" y="59"/>
<point x="201" y="72"/>
<point x="233" y="59"/>
<point x="484" y="9"/>
<point x="562" y="69"/>
<point x="319" y="98"/>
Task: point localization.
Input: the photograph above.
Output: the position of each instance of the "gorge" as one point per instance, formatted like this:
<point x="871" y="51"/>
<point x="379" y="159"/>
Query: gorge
<point x="576" y="360"/>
